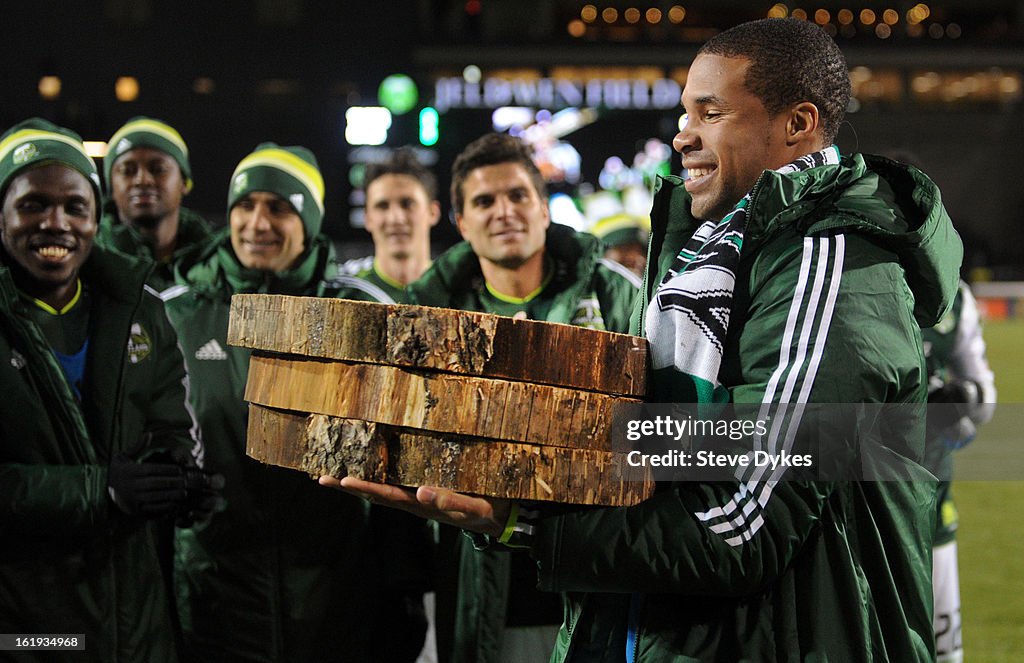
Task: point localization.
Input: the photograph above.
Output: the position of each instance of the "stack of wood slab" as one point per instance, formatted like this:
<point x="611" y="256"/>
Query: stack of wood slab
<point x="411" y="395"/>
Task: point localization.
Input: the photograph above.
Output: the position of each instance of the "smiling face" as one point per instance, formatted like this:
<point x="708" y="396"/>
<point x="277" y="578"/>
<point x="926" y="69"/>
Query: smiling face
<point x="47" y="227"/>
<point x="729" y="138"/>
<point x="399" y="216"/>
<point x="146" y="186"/>
<point x="266" y="232"/>
<point x="503" y="218"/>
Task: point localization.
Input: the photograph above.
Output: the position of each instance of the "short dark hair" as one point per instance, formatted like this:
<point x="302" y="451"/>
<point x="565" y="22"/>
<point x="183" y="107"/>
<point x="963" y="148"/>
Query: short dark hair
<point x="490" y="150"/>
<point x="403" y="161"/>
<point x="790" y="61"/>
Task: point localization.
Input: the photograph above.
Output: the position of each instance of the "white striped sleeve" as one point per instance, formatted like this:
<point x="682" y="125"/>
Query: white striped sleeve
<point x="789" y="388"/>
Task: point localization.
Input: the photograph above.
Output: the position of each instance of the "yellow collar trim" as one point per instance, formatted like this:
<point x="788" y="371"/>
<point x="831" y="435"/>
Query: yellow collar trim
<point x="508" y="299"/>
<point x="384" y="277"/>
<point x="67" y="307"/>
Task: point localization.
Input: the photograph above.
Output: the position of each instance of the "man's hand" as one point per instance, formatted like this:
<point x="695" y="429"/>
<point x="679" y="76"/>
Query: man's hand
<point x="486" y="515"/>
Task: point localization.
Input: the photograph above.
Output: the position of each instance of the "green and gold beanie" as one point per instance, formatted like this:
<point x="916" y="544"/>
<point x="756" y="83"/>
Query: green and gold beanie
<point x="621" y="229"/>
<point x="147" y="132"/>
<point x="35" y="142"/>
<point x="288" y="171"/>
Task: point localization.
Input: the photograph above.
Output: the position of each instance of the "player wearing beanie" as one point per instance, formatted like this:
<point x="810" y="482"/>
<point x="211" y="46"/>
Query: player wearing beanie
<point x="98" y="439"/>
<point x="265" y="580"/>
<point x="147" y="173"/>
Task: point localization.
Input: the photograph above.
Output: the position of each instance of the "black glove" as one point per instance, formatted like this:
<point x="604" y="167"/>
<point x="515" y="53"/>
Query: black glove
<point x="202" y="496"/>
<point x="955" y="391"/>
<point x="950" y="402"/>
<point x="148" y="490"/>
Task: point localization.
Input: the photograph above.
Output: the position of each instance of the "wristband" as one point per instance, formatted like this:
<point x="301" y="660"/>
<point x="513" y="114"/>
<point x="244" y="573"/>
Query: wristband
<point x="519" y="528"/>
<point x="510" y="524"/>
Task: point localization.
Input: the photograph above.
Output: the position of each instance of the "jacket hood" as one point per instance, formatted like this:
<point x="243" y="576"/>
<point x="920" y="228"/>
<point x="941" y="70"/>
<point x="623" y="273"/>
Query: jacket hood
<point x="896" y="205"/>
<point x="902" y="208"/>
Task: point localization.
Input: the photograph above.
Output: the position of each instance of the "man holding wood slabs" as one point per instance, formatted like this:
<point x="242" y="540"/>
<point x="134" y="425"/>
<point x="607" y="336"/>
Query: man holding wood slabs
<point x="781" y="274"/>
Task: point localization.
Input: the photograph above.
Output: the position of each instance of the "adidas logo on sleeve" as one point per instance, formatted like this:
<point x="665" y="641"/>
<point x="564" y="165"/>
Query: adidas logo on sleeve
<point x="211" y="350"/>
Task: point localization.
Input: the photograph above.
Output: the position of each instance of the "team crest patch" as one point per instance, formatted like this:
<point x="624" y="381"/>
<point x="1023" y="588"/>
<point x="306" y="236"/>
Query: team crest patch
<point x="123" y="146"/>
<point x="588" y="314"/>
<point x="25" y="152"/>
<point x="297" y="200"/>
<point x="240" y="182"/>
<point x="139" y="343"/>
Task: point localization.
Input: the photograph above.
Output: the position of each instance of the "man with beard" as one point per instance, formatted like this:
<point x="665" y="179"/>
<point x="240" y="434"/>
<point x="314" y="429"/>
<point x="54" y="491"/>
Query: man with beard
<point x="147" y="173"/>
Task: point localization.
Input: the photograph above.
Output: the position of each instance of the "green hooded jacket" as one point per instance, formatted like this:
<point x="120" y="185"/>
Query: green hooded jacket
<point x="70" y="562"/>
<point x="193" y="231"/>
<point x="860" y="255"/>
<point x="586" y="290"/>
<point x="288" y="570"/>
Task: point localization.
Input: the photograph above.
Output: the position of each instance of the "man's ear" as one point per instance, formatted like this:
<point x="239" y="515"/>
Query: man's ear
<point x="458" y="224"/>
<point x="435" y="212"/>
<point x="803" y="123"/>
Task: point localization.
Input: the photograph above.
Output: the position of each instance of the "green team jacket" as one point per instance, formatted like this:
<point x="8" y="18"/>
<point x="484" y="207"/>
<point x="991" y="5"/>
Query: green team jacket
<point x="815" y="571"/>
<point x="288" y="570"/>
<point x="193" y="231"/>
<point x="70" y="562"/>
<point x="588" y="291"/>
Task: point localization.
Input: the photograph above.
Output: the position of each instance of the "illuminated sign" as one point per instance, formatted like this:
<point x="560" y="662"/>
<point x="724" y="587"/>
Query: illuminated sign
<point x="612" y="93"/>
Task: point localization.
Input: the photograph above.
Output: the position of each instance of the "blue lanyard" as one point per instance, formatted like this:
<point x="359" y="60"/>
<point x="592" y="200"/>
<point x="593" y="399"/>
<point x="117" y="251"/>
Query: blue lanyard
<point x="633" y="629"/>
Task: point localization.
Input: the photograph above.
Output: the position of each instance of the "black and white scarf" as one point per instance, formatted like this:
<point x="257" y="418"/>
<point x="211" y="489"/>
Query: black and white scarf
<point x="688" y="318"/>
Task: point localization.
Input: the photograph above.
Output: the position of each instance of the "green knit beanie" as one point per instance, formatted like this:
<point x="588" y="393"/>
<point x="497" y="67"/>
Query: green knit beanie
<point x="290" y="172"/>
<point x="147" y="132"/>
<point x="36" y="141"/>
